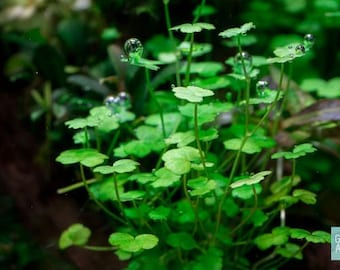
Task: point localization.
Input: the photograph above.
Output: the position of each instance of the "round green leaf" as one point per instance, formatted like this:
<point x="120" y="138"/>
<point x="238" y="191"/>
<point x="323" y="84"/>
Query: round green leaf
<point x="192" y="93"/>
<point x="147" y="241"/>
<point x="250" y="147"/>
<point x="124" y="165"/>
<point x="86" y="156"/>
<point x="237" y="30"/>
<point x="76" y="235"/>
<point x="181" y="240"/>
<point x="254" y="179"/>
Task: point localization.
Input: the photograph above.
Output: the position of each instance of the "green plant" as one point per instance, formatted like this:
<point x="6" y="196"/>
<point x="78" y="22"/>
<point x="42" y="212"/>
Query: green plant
<point x="199" y="181"/>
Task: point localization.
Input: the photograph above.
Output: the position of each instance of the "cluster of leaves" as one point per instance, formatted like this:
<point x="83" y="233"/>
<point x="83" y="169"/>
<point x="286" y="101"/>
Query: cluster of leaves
<point x="196" y="173"/>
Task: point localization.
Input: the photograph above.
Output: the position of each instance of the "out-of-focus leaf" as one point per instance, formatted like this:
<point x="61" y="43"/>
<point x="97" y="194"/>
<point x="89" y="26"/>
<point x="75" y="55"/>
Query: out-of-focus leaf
<point x="321" y="111"/>
<point x="88" y="84"/>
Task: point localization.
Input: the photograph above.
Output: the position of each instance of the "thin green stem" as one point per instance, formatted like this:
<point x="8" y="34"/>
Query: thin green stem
<point x="171" y="36"/>
<point x="198" y="15"/>
<point x="120" y="204"/>
<point x="253" y="210"/>
<point x="283" y="103"/>
<point x="248" y="81"/>
<point x="87" y="141"/>
<point x="154" y="98"/>
<point x="92" y="197"/>
<point x="113" y="142"/>
<point x="75" y="186"/>
<point x="198" y="143"/>
<point x="99" y="248"/>
<point x="189" y="59"/>
<point x="187" y="196"/>
<point x="226" y="191"/>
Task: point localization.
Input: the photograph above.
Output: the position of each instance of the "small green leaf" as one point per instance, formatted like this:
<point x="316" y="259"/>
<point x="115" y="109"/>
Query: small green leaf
<point x="297" y="233"/>
<point x="147" y="241"/>
<point x="160" y="213"/>
<point x="258" y="218"/>
<point x="201" y="186"/>
<point x="254" y="179"/>
<point x="237" y="30"/>
<point x="125" y="165"/>
<point x="246" y="192"/>
<point x="165" y="178"/>
<point x="76" y="235"/>
<point x="179" y="160"/>
<point x="204" y="69"/>
<point x="305" y="196"/>
<point x="181" y="240"/>
<point x="76" y="123"/>
<point x="192" y="28"/>
<point x="278" y="237"/>
<point x="181" y="138"/>
<point x="119" y="238"/>
<point x="86" y="156"/>
<point x="105" y="169"/>
<point x="127" y="243"/>
<point x="319" y="237"/>
<point x="192" y="93"/>
<point x="289" y="251"/>
<point x="132" y="195"/>
<point x="249" y="147"/>
<point x="298" y="151"/>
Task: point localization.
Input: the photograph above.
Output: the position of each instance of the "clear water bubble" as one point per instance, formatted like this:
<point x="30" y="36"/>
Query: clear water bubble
<point x="240" y="59"/>
<point x="133" y="48"/>
<point x="110" y="101"/>
<point x="300" y="49"/>
<point x="123" y="100"/>
<point x="309" y="40"/>
<point x="260" y="87"/>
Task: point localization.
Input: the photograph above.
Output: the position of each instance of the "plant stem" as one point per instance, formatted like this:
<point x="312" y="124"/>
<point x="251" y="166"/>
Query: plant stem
<point x="171" y="36"/>
<point x="113" y="142"/>
<point x="187" y="196"/>
<point x="120" y="204"/>
<point x="231" y="177"/>
<point x="189" y="59"/>
<point x="248" y="81"/>
<point x="99" y="248"/>
<point x="245" y="220"/>
<point x="197" y="17"/>
<point x="75" y="186"/>
<point x="153" y="97"/>
<point x="198" y="143"/>
<point x="100" y="205"/>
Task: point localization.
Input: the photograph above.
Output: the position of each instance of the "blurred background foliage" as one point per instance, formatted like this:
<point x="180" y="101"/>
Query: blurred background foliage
<point x="60" y="58"/>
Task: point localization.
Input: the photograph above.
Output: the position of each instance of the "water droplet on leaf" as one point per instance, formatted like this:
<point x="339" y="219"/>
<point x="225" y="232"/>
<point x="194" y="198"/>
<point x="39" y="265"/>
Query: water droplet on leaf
<point x="260" y="87"/>
<point x="133" y="48"/>
<point x="110" y="101"/>
<point x="123" y="100"/>
<point x="309" y="40"/>
<point x="240" y="59"/>
<point x="300" y="49"/>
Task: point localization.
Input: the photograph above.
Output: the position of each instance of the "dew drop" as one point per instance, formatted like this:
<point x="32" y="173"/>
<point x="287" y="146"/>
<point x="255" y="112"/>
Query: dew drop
<point x="300" y="49"/>
<point x="309" y="40"/>
<point x="240" y="59"/>
<point x="260" y="87"/>
<point x="243" y="56"/>
<point x="123" y="100"/>
<point x="133" y="48"/>
<point x="110" y="101"/>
